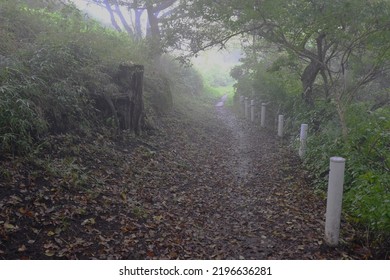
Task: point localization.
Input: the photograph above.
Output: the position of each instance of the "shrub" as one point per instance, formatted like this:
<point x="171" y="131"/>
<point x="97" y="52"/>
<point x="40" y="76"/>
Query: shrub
<point x="52" y="65"/>
<point x="21" y="120"/>
<point x="367" y="176"/>
<point x="368" y="196"/>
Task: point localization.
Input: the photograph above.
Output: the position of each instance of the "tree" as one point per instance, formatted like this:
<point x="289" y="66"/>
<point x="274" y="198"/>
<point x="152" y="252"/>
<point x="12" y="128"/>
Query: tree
<point x="132" y="23"/>
<point x="328" y="36"/>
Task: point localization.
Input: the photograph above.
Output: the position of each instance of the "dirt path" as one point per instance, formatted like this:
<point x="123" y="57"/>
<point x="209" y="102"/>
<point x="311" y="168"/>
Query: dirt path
<point x="247" y="197"/>
<point x="207" y="185"/>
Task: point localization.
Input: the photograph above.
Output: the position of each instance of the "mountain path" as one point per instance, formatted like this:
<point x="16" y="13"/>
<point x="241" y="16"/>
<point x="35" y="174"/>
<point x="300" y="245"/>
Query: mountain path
<point x="248" y="197"/>
<point x="205" y="185"/>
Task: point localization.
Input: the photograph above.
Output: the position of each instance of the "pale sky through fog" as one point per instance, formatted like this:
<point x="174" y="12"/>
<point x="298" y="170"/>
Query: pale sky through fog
<point x="224" y="59"/>
<point x="98" y="13"/>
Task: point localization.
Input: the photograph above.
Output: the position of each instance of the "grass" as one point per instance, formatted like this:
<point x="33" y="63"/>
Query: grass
<point x="218" y="92"/>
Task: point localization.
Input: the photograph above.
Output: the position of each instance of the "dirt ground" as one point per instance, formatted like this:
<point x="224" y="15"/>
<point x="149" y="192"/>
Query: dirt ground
<point x="205" y="185"/>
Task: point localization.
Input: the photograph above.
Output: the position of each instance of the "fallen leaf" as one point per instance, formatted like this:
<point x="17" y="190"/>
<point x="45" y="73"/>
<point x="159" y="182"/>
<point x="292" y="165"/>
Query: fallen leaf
<point x="150" y="254"/>
<point x="10" y="226"/>
<point x="90" y="221"/>
<point x="49" y="253"/>
<point x="22" y="248"/>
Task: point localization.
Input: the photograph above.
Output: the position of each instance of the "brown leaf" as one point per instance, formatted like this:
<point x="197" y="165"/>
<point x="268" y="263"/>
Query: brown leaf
<point x="22" y="248"/>
<point x="49" y="253"/>
<point x="150" y="254"/>
<point x="90" y="221"/>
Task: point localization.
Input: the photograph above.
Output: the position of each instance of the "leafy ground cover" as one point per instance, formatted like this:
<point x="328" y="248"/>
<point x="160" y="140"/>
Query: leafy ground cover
<point x="206" y="185"/>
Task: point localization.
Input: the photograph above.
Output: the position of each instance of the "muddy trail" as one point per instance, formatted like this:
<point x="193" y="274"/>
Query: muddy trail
<point x="206" y="185"/>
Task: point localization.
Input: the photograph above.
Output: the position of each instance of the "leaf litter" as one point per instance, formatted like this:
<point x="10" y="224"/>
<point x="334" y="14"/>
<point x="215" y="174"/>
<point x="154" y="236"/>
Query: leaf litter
<point x="207" y="185"/>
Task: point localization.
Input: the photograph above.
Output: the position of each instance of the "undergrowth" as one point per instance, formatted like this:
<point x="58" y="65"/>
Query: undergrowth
<point x="51" y="63"/>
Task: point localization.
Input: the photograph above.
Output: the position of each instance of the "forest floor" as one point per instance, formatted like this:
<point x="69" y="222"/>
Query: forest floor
<point x="205" y="185"/>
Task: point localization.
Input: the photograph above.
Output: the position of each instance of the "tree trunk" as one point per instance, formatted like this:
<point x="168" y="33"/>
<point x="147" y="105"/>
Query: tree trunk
<point x="308" y="77"/>
<point x="155" y="35"/>
<point x="138" y="27"/>
<point x="311" y="71"/>
<point x="123" y="20"/>
<point x="122" y="99"/>
<point x="130" y="79"/>
<point x="112" y="16"/>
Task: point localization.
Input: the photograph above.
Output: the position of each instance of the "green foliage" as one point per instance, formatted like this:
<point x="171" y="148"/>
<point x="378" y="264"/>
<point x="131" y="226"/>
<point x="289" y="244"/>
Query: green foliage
<point x="272" y="85"/>
<point x="368" y="193"/>
<point x="184" y="80"/>
<point x="20" y="118"/>
<point x="320" y="148"/>
<point x="366" y="149"/>
<point x="368" y="201"/>
<point x="367" y="176"/>
<point x="52" y="63"/>
<point x="218" y="91"/>
<point x="371" y="136"/>
<point x="338" y="103"/>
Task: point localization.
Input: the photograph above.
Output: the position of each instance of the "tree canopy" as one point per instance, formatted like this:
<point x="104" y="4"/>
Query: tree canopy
<point x="332" y="39"/>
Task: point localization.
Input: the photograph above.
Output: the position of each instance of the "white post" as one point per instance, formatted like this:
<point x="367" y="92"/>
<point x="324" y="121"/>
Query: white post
<point x="334" y="200"/>
<point x="280" y="125"/>
<point x="302" y="138"/>
<point x="263" y="108"/>
<point x="242" y="103"/>
<point x="246" y="107"/>
<point x="252" y="110"/>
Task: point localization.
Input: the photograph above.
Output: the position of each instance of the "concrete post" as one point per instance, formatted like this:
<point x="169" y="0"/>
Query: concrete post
<point x="241" y="106"/>
<point x="302" y="138"/>
<point x="246" y="107"/>
<point x="252" y="110"/>
<point x="263" y="109"/>
<point x="280" y="125"/>
<point x="334" y="200"/>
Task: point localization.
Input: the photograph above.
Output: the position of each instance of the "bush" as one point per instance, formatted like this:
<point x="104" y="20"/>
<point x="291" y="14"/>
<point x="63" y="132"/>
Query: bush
<point x="368" y="196"/>
<point x="367" y="176"/>
<point x="368" y="200"/>
<point x="21" y="120"/>
<point x="52" y="65"/>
